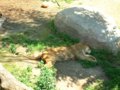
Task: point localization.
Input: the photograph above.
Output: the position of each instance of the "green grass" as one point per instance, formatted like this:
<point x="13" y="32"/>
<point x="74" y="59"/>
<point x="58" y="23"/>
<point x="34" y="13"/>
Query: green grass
<point x="22" y="74"/>
<point x="52" y="40"/>
<point x="45" y="81"/>
<point x="97" y="85"/>
<point x="111" y="66"/>
<point x="87" y="64"/>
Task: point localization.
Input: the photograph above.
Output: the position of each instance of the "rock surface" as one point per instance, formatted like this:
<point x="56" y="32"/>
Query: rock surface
<point x="90" y="26"/>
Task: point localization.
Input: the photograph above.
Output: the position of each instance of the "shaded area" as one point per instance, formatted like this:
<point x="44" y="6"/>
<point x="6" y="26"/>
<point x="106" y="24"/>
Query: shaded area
<point x="26" y="21"/>
<point x="31" y="27"/>
<point x="111" y="66"/>
<point x="72" y="76"/>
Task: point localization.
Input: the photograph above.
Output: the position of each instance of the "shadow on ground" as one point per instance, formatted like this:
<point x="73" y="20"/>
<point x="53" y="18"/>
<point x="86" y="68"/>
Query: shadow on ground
<point x="31" y="22"/>
<point x="72" y="76"/>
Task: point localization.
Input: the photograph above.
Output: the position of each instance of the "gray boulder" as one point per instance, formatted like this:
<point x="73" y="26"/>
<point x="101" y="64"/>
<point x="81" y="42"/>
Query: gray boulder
<point x="90" y="26"/>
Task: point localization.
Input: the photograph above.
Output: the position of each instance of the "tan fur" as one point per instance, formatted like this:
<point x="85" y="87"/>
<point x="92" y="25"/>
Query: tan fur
<point x="74" y="52"/>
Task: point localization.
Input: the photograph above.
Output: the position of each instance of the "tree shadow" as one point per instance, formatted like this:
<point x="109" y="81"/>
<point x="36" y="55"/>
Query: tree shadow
<point x="29" y="21"/>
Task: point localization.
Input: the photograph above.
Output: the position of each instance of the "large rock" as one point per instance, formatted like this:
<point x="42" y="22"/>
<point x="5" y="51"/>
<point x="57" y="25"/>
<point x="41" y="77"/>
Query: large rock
<point x="90" y="26"/>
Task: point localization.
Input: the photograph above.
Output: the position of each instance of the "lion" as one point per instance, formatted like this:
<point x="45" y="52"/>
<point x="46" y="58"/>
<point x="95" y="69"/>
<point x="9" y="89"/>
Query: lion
<point x="74" y="52"/>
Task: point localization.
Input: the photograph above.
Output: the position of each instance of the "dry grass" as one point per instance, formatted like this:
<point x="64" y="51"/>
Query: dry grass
<point x="26" y="4"/>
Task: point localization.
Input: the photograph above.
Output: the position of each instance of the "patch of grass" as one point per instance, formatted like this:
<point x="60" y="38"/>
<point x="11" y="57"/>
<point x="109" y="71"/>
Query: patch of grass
<point x="52" y="40"/>
<point x="12" y="48"/>
<point x="113" y="73"/>
<point x="47" y="79"/>
<point x="22" y="74"/>
<point x="51" y="25"/>
<point x="97" y="85"/>
<point x="88" y="64"/>
<point x="61" y="37"/>
<point x="108" y="62"/>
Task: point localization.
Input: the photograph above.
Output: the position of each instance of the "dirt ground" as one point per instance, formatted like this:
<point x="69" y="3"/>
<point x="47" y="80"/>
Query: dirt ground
<point x="27" y="15"/>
